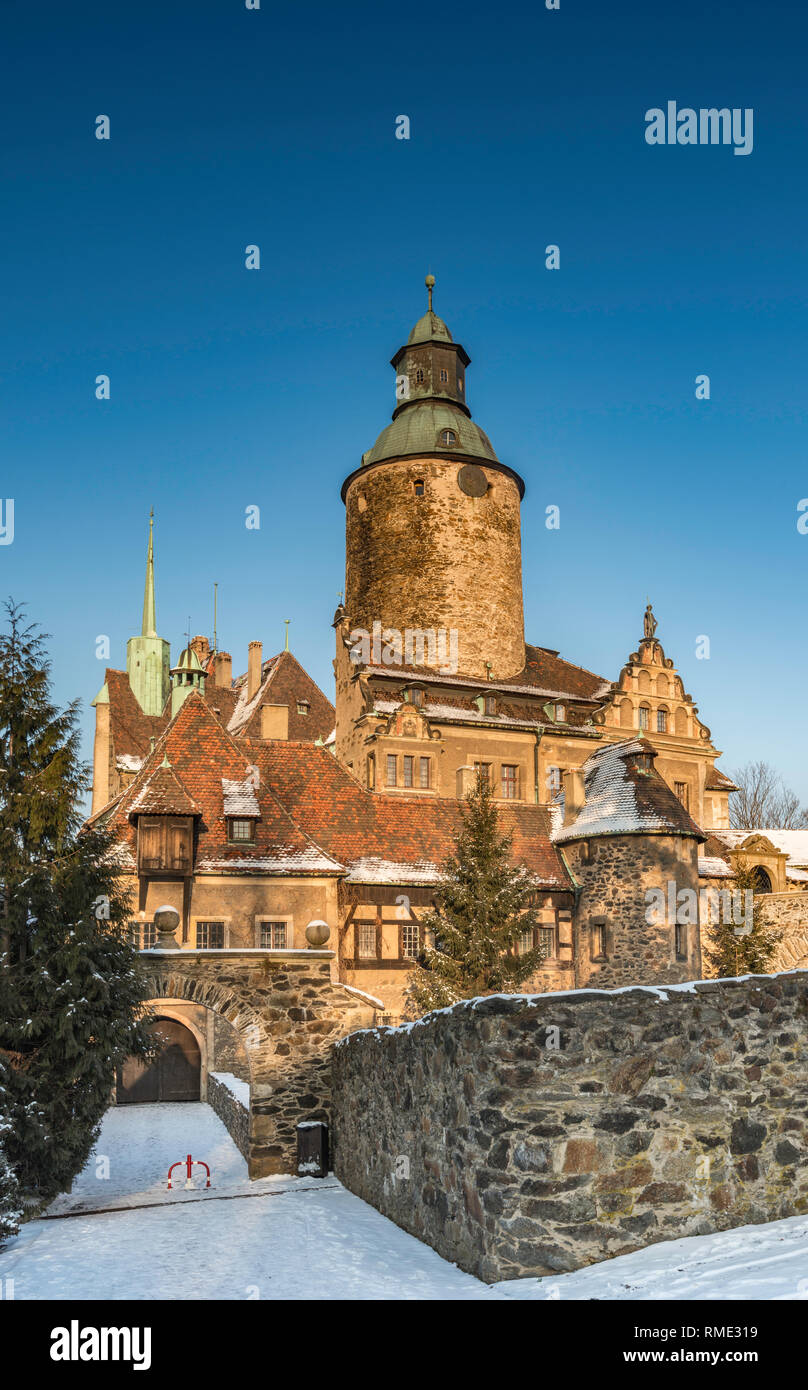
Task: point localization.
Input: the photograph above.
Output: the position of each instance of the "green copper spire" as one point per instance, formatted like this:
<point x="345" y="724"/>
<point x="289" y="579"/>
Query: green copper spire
<point x="148" y="656"/>
<point x="149" y="628"/>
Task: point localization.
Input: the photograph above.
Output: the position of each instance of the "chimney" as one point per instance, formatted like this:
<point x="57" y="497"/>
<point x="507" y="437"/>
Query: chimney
<point x="223" y="669"/>
<point x="253" y="669"/>
<point x="275" y="721"/>
<point x="574" y="798"/>
<point x="201" y="646"/>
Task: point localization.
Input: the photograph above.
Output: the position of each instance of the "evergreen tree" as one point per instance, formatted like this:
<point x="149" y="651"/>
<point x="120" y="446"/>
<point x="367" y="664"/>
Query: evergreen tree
<point x="483" y="905"/>
<point x="71" y="1000"/>
<point x="9" y="1187"/>
<point x="725" y="952"/>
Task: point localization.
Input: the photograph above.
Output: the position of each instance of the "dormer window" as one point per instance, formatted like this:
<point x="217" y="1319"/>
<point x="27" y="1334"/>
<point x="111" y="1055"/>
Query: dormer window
<point x="644" y="762"/>
<point x="448" y="438"/>
<point x="241" y="830"/>
<point x="303" y="707"/>
<point x="490" y="704"/>
<point x="415" y="697"/>
<point x="560" y="714"/>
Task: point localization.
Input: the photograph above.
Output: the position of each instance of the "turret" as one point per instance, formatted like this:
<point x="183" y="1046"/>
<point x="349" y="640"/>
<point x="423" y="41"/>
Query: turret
<point x="148" y="656"/>
<point x="186" y="676"/>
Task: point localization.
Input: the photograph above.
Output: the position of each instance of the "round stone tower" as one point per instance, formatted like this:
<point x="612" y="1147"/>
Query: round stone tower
<point x="433" y="534"/>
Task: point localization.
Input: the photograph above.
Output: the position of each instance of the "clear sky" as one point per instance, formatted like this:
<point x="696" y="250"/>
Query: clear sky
<point x="231" y="388"/>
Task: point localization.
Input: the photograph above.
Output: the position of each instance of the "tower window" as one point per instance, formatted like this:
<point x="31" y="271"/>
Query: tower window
<point x="448" y="437"/>
<point x="460" y="383"/>
<point x="419" y="375"/>
<point x="444" y="375"/>
<point x="418" y="487"/>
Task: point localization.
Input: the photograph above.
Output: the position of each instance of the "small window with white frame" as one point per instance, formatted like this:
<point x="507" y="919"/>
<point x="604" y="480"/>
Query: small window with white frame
<point x="241" y="830"/>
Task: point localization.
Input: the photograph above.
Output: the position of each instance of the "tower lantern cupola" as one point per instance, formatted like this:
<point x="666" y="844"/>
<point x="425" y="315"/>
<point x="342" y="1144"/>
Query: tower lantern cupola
<point x="187" y="675"/>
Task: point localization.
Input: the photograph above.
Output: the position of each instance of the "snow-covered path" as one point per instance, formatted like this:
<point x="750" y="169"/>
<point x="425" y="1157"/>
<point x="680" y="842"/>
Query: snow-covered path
<point x="295" y="1238"/>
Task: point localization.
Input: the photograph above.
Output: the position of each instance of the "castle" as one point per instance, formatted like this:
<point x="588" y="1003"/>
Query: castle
<point x="255" y="807"/>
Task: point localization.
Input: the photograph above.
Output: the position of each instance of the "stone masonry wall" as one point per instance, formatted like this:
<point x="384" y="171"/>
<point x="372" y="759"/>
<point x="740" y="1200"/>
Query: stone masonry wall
<point x="788" y="911"/>
<point x="234" y="1116"/>
<point x="526" y="1135"/>
<point x="615" y="872"/>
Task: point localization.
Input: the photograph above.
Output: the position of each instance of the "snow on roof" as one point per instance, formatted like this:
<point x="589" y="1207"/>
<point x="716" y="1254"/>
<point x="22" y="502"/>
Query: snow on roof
<point x="279" y="860"/>
<point x="239" y="797"/>
<point x="429" y="677"/>
<point x="793" y="843"/>
<point x="710" y="866"/>
<point x="129" y="762"/>
<point x="618" y="803"/>
<point x="372" y="870"/>
<point x="246" y="708"/>
<point x="797" y="875"/>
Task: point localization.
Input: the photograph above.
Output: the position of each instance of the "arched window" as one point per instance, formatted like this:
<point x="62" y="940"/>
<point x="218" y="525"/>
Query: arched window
<point x="418" y="487"/>
<point x="761" y="883"/>
<point x="448" y="437"/>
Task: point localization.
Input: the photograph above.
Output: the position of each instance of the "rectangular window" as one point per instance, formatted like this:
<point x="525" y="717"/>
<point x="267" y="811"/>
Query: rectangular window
<point x="142" y="935"/>
<point x="409" y="940"/>
<point x="371" y="772"/>
<point x="391" y="769"/>
<point x="210" y="936"/>
<point x="554" y="780"/>
<point x="547" y="941"/>
<point x="683" y="793"/>
<point x="366" y="940"/>
<point x="642" y="717"/>
<point x="483" y="770"/>
<point x="242" y="831"/>
<point x="273" y="936"/>
<point x="525" y="941"/>
<point x="598" y="940"/>
<point x="560" y="714"/>
<point x="444" y="375"/>
<point x="303" y="707"/>
<point x="490" y="704"/>
<point x="680" y="937"/>
<point x="509" y="781"/>
<point x="408" y="762"/>
<point x="662" y="721"/>
<point x="424" y="771"/>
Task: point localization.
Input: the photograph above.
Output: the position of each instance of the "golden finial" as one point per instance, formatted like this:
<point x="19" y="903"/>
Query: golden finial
<point x="430" y="284"/>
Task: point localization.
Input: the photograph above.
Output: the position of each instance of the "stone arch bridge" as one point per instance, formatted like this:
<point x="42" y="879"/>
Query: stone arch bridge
<point x="288" y="1013"/>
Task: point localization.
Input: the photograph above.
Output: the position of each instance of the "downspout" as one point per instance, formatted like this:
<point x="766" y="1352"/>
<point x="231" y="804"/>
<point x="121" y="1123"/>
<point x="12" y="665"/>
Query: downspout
<point x="537" y="733"/>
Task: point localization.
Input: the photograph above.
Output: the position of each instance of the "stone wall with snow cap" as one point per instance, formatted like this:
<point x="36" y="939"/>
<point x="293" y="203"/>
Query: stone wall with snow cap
<point x="529" y="1135"/>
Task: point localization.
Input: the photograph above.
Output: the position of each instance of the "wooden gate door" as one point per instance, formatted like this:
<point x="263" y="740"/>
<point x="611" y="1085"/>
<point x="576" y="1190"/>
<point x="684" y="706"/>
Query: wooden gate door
<point x="173" y="1075"/>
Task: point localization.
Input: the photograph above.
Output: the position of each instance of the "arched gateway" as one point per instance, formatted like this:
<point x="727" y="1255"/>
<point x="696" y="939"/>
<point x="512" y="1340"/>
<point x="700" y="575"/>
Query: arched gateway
<point x="288" y="1013"/>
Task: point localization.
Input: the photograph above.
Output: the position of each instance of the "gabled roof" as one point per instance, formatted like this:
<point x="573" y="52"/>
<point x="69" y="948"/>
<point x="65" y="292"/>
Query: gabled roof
<point x="161" y="793"/>
<point x="203" y="757"/>
<point x="283" y="682"/>
<point x="793" y="843"/>
<point x="623" y="799"/>
<point x="385" y="838"/>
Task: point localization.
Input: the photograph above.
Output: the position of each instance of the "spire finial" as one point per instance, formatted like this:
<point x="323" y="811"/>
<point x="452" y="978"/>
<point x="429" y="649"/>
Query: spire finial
<point x="430" y="285"/>
<point x="149" y="625"/>
<point x="287" y="621"/>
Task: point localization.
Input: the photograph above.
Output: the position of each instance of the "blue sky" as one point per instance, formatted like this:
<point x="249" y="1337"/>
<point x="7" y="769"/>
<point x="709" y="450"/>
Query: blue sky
<point x="231" y="387"/>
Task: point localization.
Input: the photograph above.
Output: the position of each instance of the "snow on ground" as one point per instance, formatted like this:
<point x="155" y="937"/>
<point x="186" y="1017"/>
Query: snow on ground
<point x="757" y="1262"/>
<point x="296" y="1238"/>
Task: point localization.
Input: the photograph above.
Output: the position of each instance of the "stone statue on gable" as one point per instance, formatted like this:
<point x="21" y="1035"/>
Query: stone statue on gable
<point x="649" y="622"/>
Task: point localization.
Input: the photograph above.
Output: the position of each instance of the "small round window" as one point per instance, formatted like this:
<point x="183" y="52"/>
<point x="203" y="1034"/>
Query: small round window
<point x="448" y="437"/>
